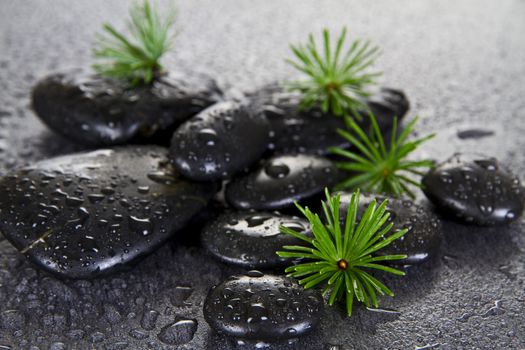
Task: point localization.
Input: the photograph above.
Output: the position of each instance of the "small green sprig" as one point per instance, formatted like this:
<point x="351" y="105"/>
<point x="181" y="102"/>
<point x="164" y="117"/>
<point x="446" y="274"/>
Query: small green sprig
<point x="136" y="59"/>
<point x="337" y="81"/>
<point x="338" y="254"/>
<point x="378" y="169"/>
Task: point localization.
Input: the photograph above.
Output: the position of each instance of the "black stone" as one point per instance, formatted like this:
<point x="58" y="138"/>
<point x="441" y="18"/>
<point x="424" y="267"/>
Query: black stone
<point x="250" y="239"/>
<point x="262" y="307"/>
<point x="295" y="130"/>
<point x="89" y="214"/>
<point x="93" y="110"/>
<point x="280" y="181"/>
<point x="219" y="141"/>
<point x="475" y="189"/>
<point x="423" y="239"/>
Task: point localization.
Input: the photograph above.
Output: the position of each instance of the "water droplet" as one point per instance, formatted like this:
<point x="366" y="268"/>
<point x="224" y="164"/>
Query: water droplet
<point x="179" y="332"/>
<point x="254" y="273"/>
<point x="162" y="177"/>
<point x="277" y="170"/>
<point x="490" y="164"/>
<point x="208" y="137"/>
<point x="256" y="220"/>
<point x="143" y="189"/>
<point x="143" y="227"/>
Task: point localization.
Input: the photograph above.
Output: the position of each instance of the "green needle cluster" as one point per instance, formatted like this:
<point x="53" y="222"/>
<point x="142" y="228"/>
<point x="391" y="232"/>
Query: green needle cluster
<point x="340" y="253"/>
<point x="376" y="168"/>
<point x="336" y="80"/>
<point x="136" y="58"/>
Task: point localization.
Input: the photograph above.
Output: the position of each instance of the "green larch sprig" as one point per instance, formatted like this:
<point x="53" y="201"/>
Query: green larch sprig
<point x="375" y="168"/>
<point x="136" y="58"/>
<point x="336" y="81"/>
<point x="340" y="254"/>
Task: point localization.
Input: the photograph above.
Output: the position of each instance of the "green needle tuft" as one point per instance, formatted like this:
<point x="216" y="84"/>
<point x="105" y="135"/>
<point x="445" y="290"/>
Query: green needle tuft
<point x="340" y="254"/>
<point x="137" y="58"/>
<point x="376" y="168"/>
<point x="337" y="81"/>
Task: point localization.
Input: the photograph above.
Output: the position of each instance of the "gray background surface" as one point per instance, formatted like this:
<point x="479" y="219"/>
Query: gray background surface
<point x="462" y="65"/>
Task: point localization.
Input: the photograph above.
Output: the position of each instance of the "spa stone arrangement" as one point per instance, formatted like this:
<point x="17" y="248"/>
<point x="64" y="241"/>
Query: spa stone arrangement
<point x="307" y="189"/>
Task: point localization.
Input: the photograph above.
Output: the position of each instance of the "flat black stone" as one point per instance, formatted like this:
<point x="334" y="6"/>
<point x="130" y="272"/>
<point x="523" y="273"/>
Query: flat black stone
<point x="475" y="189"/>
<point x="97" y="111"/>
<point x="219" y="141"/>
<point x="262" y="307"/>
<point x="86" y="215"/>
<point x="250" y="239"/>
<point x="295" y="130"/>
<point x="423" y="239"/>
<point x="280" y="181"/>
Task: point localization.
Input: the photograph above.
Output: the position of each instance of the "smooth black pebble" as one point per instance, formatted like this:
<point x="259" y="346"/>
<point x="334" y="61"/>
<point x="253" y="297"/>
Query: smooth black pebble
<point x="280" y="181"/>
<point x="219" y="141"/>
<point x="97" y="111"/>
<point x="262" y="307"/>
<point x="89" y="214"/>
<point x="295" y="130"/>
<point x="250" y="239"/>
<point x="423" y="239"/>
<point x="475" y="189"/>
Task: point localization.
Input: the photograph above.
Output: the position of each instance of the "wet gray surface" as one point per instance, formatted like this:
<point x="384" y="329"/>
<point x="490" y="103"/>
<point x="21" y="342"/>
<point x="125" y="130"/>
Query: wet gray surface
<point x="462" y="66"/>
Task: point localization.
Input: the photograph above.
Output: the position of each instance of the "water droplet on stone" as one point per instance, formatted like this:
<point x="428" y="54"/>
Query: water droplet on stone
<point x="277" y="170"/>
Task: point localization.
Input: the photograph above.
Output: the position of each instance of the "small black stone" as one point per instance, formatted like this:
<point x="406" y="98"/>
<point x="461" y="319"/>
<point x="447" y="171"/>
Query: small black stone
<point x="475" y="189"/>
<point x="97" y="111"/>
<point x="423" y="239"/>
<point x="280" y="181"/>
<point x="219" y="141"/>
<point x="89" y="214"/>
<point x="250" y="239"/>
<point x="295" y="130"/>
<point x="262" y="307"/>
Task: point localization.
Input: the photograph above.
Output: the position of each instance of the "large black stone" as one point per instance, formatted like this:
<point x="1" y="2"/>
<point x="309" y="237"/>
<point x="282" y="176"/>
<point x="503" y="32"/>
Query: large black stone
<point x="219" y="141"/>
<point x="295" y="130"/>
<point x="262" y="307"/>
<point x="423" y="239"/>
<point x="93" y="110"/>
<point x="250" y="239"/>
<point x="84" y="215"/>
<point x="475" y="189"/>
<point x="280" y="181"/>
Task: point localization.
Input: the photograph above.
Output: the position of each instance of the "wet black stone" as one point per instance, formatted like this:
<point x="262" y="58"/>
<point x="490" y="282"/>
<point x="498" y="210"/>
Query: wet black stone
<point x="475" y="189"/>
<point x="219" y="141"/>
<point x="423" y="239"/>
<point x="89" y="214"/>
<point x="93" y="110"/>
<point x="262" y="307"/>
<point x="295" y="130"/>
<point x="250" y="239"/>
<point x="280" y="181"/>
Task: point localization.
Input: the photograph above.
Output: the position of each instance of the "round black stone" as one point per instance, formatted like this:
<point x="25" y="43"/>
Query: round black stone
<point x="262" y="307"/>
<point x="475" y="189"/>
<point x="280" y="181"/>
<point x="250" y="239"/>
<point x="296" y="130"/>
<point x="94" y="110"/>
<point x="89" y="214"/>
<point x="423" y="239"/>
<point x="219" y="141"/>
